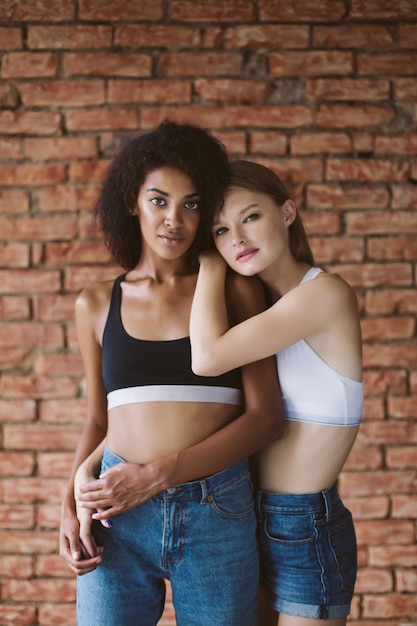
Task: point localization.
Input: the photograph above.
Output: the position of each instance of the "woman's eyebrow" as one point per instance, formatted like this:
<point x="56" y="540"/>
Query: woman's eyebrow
<point x="165" y="193"/>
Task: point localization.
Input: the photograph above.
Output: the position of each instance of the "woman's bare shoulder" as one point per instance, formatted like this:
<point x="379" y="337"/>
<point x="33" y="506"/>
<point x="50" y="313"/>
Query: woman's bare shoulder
<point x="94" y="297"/>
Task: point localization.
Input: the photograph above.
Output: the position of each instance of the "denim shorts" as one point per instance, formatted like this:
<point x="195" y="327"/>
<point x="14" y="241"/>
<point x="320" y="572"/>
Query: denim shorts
<point x="201" y="535"/>
<point x="308" y="553"/>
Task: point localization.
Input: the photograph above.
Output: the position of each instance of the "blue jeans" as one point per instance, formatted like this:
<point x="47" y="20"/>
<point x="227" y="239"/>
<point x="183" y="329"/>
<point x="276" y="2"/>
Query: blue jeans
<point x="308" y="553"/>
<point x="200" y="535"/>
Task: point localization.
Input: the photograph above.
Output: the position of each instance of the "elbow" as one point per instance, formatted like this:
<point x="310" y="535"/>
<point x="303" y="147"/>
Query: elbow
<point x="204" y="365"/>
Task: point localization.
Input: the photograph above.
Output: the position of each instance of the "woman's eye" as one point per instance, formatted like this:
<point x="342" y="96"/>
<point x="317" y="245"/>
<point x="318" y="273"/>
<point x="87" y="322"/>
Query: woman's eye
<point x="158" y="201"/>
<point x="192" y="205"/>
<point x="251" y="217"/>
<point x="220" y="231"/>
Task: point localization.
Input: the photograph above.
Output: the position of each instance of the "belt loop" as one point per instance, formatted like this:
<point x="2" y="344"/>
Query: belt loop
<point x="327" y="499"/>
<point x="204" y="491"/>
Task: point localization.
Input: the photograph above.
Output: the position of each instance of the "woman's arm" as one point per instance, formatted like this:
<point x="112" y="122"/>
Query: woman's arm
<point x="126" y="485"/>
<point x="298" y="314"/>
<point x="82" y="557"/>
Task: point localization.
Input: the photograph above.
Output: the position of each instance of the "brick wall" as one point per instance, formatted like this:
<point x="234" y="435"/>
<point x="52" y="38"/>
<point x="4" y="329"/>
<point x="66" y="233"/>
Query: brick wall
<point x="325" y="93"/>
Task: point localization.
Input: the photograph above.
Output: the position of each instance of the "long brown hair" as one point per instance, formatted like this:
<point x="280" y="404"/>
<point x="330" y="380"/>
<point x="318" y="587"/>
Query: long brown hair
<point x="256" y="177"/>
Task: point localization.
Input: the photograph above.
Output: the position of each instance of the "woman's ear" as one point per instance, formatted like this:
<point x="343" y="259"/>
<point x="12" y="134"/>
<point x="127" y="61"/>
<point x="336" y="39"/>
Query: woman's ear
<point x="290" y="212"/>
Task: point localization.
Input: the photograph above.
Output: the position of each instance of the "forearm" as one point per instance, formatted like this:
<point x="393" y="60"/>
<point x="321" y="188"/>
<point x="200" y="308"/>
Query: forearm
<point x="236" y="441"/>
<point x="209" y="318"/>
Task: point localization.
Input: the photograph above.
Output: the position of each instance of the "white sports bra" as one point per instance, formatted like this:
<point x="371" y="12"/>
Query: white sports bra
<point x="314" y="392"/>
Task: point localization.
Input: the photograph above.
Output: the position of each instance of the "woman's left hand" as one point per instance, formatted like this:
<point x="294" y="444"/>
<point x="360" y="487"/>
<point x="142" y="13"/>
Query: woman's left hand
<point x="121" y="488"/>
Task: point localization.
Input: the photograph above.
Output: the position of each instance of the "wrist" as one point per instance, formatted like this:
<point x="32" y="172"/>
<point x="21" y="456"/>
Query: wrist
<point x="163" y="472"/>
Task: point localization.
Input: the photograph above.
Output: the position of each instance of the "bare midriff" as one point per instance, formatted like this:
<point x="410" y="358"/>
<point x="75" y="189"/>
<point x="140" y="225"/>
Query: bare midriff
<point x="308" y="458"/>
<point x="147" y="431"/>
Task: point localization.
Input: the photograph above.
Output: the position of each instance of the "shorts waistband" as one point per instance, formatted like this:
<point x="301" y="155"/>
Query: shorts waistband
<point x="196" y="489"/>
<point x="326" y="501"/>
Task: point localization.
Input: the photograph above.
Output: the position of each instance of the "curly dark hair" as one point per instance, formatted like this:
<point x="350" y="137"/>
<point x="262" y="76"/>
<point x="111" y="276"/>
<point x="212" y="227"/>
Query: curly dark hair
<point x="187" y="147"/>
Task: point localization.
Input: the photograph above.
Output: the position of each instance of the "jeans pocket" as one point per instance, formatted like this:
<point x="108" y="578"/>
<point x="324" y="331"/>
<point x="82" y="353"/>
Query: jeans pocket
<point x="234" y="501"/>
<point x="292" y="529"/>
<point x="342" y="539"/>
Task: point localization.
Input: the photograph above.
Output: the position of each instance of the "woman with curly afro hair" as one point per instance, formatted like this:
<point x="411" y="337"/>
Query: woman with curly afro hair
<point x="164" y="451"/>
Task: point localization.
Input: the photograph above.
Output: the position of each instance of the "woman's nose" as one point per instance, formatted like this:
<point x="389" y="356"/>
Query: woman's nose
<point x="173" y="217"/>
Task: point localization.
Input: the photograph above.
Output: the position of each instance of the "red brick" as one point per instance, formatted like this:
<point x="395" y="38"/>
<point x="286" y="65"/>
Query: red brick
<point x="156" y="35"/>
<point x="122" y="91"/>
<point x="207" y="11"/>
<point x="382" y="10"/>
<point x="88" y="171"/>
<point x="310" y="63"/>
<point x="30" y="10"/>
<point x="364" y="457"/>
<point x="101" y="119"/>
<point x="59" y="614"/>
<point x="401" y="457"/>
<point x="333" y="249"/>
<point x="382" y="170"/>
<point x="14" y="566"/>
<point x="353" y="115"/>
<point x="406" y="580"/>
<point x="374" y="580"/>
<point x="62" y="198"/>
<point x="31" y="174"/>
<point x="9" y="96"/>
<point x="48" y="515"/>
<point x="14" y="255"/>
<point x="106" y="64"/>
<point x="58" y="365"/>
<point x="268" y="142"/>
<point x="377" y="483"/>
<point x="393" y="556"/>
<point x="29" y="65"/>
<point x="69" y="93"/>
<point x="22" y="615"/>
<point x="13" y="202"/>
<point x="16" y="463"/>
<point x="265" y="36"/>
<point x="231" y="91"/>
<point x="69" y="37"/>
<point x="55" y="464"/>
<point x="76" y="278"/>
<point x="347" y="89"/>
<point x="71" y="411"/>
<point x="10" y="38"/>
<point x="405" y="88"/>
<point x="319" y="143"/>
<point x="394" y="355"/>
<point x="299" y="11"/>
<point x="20" y="410"/>
<point x="402" y="407"/>
<point x="115" y="10"/>
<point x="52" y="565"/>
<point x="32" y="387"/>
<point x="18" y="516"/>
<point x="352" y="36"/>
<point x="392" y="248"/>
<point x="351" y="197"/>
<point x="386" y="606"/>
<point x="27" y="122"/>
<point x="387" y="328"/>
<point x="404" y="506"/>
<point x="391" y="300"/>
<point x="11" y="148"/>
<point x="404" y="196"/>
<point x="200" y="64"/>
<point x="382" y="222"/>
<point x="29" y="591"/>
<point x="387" y="64"/>
<point x="368" y="508"/>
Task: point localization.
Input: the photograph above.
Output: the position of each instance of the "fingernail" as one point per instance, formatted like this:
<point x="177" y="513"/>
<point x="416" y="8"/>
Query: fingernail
<point x="107" y="523"/>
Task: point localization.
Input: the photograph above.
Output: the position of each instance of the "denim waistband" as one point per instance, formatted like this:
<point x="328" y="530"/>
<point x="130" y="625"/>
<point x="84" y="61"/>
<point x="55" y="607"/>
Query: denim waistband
<point x="196" y="489"/>
<point x="326" y="501"/>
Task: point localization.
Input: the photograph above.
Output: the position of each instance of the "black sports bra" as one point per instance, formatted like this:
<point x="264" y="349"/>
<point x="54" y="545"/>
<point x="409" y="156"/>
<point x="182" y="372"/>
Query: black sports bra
<point x="138" y="370"/>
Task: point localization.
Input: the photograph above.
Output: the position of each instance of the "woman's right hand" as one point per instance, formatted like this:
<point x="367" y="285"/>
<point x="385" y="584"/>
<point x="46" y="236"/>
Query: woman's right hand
<point x="76" y="543"/>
